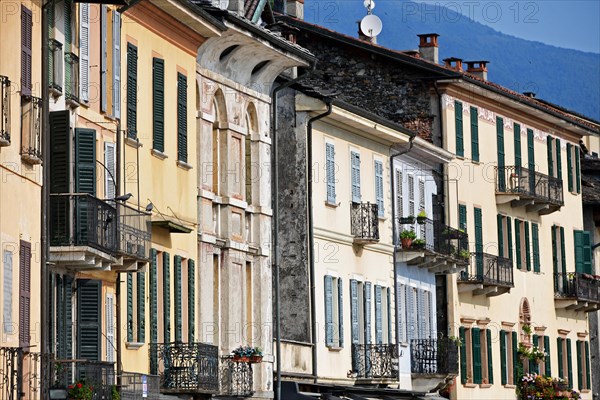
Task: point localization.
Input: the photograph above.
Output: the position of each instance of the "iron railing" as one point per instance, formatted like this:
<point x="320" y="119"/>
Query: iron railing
<point x="576" y="285"/>
<point x="375" y="361"/>
<point x="437" y="237"/>
<point x="236" y="378"/>
<point x="31" y="129"/>
<point x="134" y="232"/>
<point x="99" y="374"/>
<point x="82" y="220"/>
<point x="186" y="367"/>
<point x="364" y="221"/>
<point x="488" y="269"/>
<point x="22" y="374"/>
<point x="434" y="356"/>
<point x="55" y="65"/>
<point x="71" y="77"/>
<point x="4" y="111"/>
<point x="136" y="386"/>
<point x="530" y="184"/>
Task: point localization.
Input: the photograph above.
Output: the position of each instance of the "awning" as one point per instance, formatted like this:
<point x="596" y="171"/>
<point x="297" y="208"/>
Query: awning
<point x="171" y="226"/>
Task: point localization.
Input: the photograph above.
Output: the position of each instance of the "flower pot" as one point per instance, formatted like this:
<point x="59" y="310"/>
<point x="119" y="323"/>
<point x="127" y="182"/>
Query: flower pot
<point x="406" y="220"/>
<point x="256" y="359"/>
<point x="241" y="359"/>
<point x="406" y="243"/>
<point x="421" y="220"/>
<point x="419" y="246"/>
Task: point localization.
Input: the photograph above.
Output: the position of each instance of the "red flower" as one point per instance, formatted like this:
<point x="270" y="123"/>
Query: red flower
<point x="91" y="388"/>
<point x="79" y="385"/>
<point x="70" y="386"/>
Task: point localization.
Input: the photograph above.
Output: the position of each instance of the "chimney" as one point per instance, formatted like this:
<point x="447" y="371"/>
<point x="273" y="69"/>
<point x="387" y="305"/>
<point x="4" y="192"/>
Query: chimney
<point x="529" y="94"/>
<point x="295" y="8"/>
<point x="454" y="63"/>
<point x="478" y="68"/>
<point x="428" y="47"/>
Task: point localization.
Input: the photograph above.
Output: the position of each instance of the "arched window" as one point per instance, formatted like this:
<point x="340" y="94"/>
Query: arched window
<point x="251" y="169"/>
<point x="220" y="112"/>
<point x="525" y="321"/>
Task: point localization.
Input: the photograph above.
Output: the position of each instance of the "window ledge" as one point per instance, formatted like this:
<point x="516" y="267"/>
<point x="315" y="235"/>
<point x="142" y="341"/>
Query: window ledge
<point x="332" y="205"/>
<point x="507" y="386"/>
<point x="158" y="154"/>
<point x="135" y="143"/>
<point x="470" y="385"/>
<point x="29" y="159"/>
<point x="184" y="165"/>
<point x="134" y="345"/>
<point x="586" y="390"/>
<point x="485" y="385"/>
<point x="381" y="219"/>
<point x="55" y="92"/>
<point x="335" y="348"/>
<point x="72" y="103"/>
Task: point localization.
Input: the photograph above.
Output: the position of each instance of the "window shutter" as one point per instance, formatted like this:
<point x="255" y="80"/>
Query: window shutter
<point x="577" y="170"/>
<point x="399" y="195"/>
<point x="354" y="310"/>
<point x="503" y="370"/>
<point x="60" y="162"/>
<point x="178" y="302"/>
<point x="191" y="300"/>
<point x="85" y="161"/>
<point x="84" y="50"/>
<point x="24" y="293"/>
<point x="182" y="117"/>
<point x="500" y="220"/>
<point x="579" y="365"/>
<point x="420" y="315"/>
<point x="141" y="307"/>
<point x="570" y="167"/>
<point x="550" y="162"/>
<point x="166" y="297"/>
<point x="490" y="365"/>
<point x="578" y="241"/>
<point x="328" y="310"/>
<point x="131" y="91"/>
<point x="536" y="247"/>
<point x="103" y="56"/>
<point x="476" y="349"/>
<point x="109" y="162"/>
<point x="569" y="363"/>
<point x="509" y="237"/>
<point x="554" y="253"/>
<point x="533" y="365"/>
<point x="379" y="187"/>
<point x="89" y="319"/>
<point x="110" y="328"/>
<point x="410" y="314"/>
<point x="517" y="132"/>
<point x="389" y="316"/>
<point x="561" y="372"/>
<point x="153" y="308"/>
<point x="158" y="104"/>
<point x="116" y="45"/>
<point x="367" y="312"/>
<point x="64" y="317"/>
<point x="547" y="362"/>
<point x="462" y="217"/>
<point x="587" y="365"/>
<point x="26" y="45"/>
<point x="463" y="355"/>
<point x="68" y="25"/>
<point x="458" y="110"/>
<point x="518" y="242"/>
<point x="378" y="316"/>
<point x="527" y="247"/>
<point x="474" y="134"/>
<point x="401" y="313"/>
<point x="130" y="307"/>
<point x="558" y="159"/>
<point x="478" y="240"/>
<point x="7" y="289"/>
<point x="562" y="251"/>
<point x="341" y="312"/>
<point x="330" y="171"/>
<point x="531" y="159"/>
<point x="515" y="357"/>
<point x="355" y="175"/>
<point x="500" y="145"/>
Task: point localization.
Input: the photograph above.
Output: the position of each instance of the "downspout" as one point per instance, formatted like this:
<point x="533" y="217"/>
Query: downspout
<point x="311" y="238"/>
<point x="275" y="206"/>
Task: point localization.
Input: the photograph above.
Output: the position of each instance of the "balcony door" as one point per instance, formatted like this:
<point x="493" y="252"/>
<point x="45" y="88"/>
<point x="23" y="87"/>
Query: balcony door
<point x="89" y="319"/>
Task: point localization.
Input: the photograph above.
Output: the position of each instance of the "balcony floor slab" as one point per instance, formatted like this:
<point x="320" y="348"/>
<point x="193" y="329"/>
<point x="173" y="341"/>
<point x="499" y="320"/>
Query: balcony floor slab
<point x="464" y="287"/>
<point x="81" y="257"/>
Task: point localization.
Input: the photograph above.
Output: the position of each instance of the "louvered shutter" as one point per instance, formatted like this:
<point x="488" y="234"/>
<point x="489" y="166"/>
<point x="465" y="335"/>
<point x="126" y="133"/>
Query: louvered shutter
<point x="24" y="293"/>
<point x="341" y="312"/>
<point x="536" y="247"/>
<point x="578" y="242"/>
<point x="355" y="176"/>
<point x="68" y="315"/>
<point x="527" y="247"/>
<point x="130" y="307"/>
<point x="478" y="240"/>
<point x="533" y="365"/>
<point x="153" y="308"/>
<point x="476" y="349"/>
<point x="354" y="310"/>
<point x="558" y="159"/>
<point x="60" y="162"/>
<point x="515" y="357"/>
<point x="132" y="91"/>
<point x="518" y="242"/>
<point x="579" y="364"/>
<point x="587" y="252"/>
<point x="379" y="187"/>
<point x="588" y="379"/>
<point x="559" y="345"/>
<point x="531" y="160"/>
<point x="109" y="163"/>
<point x="410" y="313"/>
<point x="85" y="161"/>
<point x="401" y="312"/>
<point x="103" y="56"/>
<point x="562" y="252"/>
<point x="181" y="117"/>
<point x="158" y="104"/>
<point x="474" y="134"/>
<point x="500" y="146"/>
<point x="420" y="314"/>
<point x="26" y="45"/>
<point x="178" y="300"/>
<point x="191" y="300"/>
<point x="7" y="290"/>
<point x="458" y="110"/>
<point x="547" y="362"/>
<point x="378" y="316"/>
<point x="463" y="355"/>
<point x="399" y="195"/>
<point x="330" y="171"/>
<point x="570" y="166"/>
<point x="89" y="325"/>
<point x="68" y="24"/>
<point x="500" y="220"/>
<point x="167" y="297"/>
<point x="389" y="316"/>
<point x="110" y="328"/>
<point x="462" y="217"/>
<point x="577" y="170"/>
<point x="328" y="310"/>
<point x="490" y="366"/>
<point x="554" y="255"/>
<point x="509" y="237"/>
<point x="569" y="363"/>
<point x="141" y="307"/>
<point x="517" y="133"/>
<point x="84" y="50"/>
<point x="116" y="47"/>
<point x="503" y="366"/>
<point x="550" y="156"/>
<point x="367" y="312"/>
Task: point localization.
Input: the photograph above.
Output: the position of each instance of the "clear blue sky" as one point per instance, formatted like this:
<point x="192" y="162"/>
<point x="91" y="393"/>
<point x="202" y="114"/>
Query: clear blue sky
<point x="571" y="24"/>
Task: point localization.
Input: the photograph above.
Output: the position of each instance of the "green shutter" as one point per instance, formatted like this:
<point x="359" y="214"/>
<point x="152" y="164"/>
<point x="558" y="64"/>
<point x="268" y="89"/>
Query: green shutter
<point x="500" y="219"/>
<point x="68" y="25"/>
<point x="141" y="307"/>
<point x="132" y="91"/>
<point x="181" y="117"/>
<point x="550" y="152"/>
<point x="474" y="134"/>
<point x="527" y="247"/>
<point x="153" y="296"/>
<point x="548" y="361"/>
<point x="85" y="161"/>
<point x="89" y="319"/>
<point x="558" y="160"/>
<point x="531" y="160"/>
<point x="476" y="349"/>
<point x="167" y="297"/>
<point x="463" y="355"/>
<point x="587" y="252"/>
<point x="509" y="237"/>
<point x="570" y="167"/>
<point x="579" y="365"/>
<point x="578" y="242"/>
<point x="130" y="307"/>
<point x="533" y="365"/>
<point x="490" y="365"/>
<point x="588" y="378"/>
<point x="462" y="217"/>
<point x="518" y="241"/>
<point x="562" y="252"/>
<point x="561" y="372"/>
<point x="328" y="310"/>
<point x="191" y="300"/>
<point x="577" y="170"/>
<point x="569" y="363"/>
<point x="503" y="371"/>
<point x="60" y="160"/>
<point x="500" y="147"/>
<point x="478" y="241"/>
<point x="536" y="247"/>
<point x="554" y="255"/>
<point x="158" y="104"/>
<point x="178" y="302"/>
<point x="517" y="132"/>
<point x="515" y="358"/>
<point x="458" y="110"/>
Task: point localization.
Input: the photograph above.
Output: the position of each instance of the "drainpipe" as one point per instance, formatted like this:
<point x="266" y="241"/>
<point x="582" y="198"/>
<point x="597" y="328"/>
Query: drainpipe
<point x="311" y="238"/>
<point x="275" y="206"/>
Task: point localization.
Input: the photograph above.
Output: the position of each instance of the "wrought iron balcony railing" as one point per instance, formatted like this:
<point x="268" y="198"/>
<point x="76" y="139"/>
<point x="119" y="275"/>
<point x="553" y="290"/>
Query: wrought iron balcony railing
<point x="55" y="65"/>
<point x="31" y="129"/>
<point x="4" y="111"/>
<point x="575" y="285"/>
<point x="434" y="356"/>
<point x="186" y="367"/>
<point x="488" y="269"/>
<point x="134" y="232"/>
<point x="83" y="220"/>
<point x="23" y="375"/>
<point x="364" y="221"/>
<point x="133" y="385"/>
<point x="99" y="374"/>
<point x="436" y="237"/>
<point x="72" y="78"/>
<point x="375" y="361"/>
<point x="529" y="184"/>
<point x="236" y="378"/>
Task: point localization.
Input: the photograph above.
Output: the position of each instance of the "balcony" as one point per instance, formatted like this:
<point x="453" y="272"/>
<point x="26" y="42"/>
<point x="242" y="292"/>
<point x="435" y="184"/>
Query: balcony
<point x="55" y="67"/>
<point x="134" y="231"/>
<point x="437" y="247"/>
<point x="432" y="361"/>
<point x="375" y="361"/>
<point x="236" y="378"/>
<point x="99" y="374"/>
<point x="576" y="291"/>
<point x="487" y="274"/>
<point x="136" y="386"/>
<point x="186" y="367"/>
<point x="4" y="111"/>
<point x="83" y="231"/>
<point x="364" y="221"/>
<point x="523" y="187"/>
<point x="72" y="79"/>
<point x="31" y="130"/>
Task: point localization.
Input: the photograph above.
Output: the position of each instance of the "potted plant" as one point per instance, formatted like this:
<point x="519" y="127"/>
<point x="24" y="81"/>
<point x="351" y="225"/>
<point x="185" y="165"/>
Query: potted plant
<point x="80" y="390"/>
<point x="422" y="217"/>
<point x="526" y="328"/>
<point x="456" y="340"/>
<point x="247" y="354"/>
<point x="418" y="244"/>
<point x="537" y="355"/>
<point x="406" y="220"/>
<point x="406" y="237"/>
<point x="464" y="254"/>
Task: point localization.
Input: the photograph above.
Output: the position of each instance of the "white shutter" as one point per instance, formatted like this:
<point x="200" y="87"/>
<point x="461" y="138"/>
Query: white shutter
<point x="411" y="328"/>
<point x="355" y="176"/>
<point x="116" y="65"/>
<point x="411" y="196"/>
<point x="427" y="314"/>
<point x="7" y="287"/>
<point x="109" y="162"/>
<point x="401" y="312"/>
<point x="110" y="329"/>
<point x="103" y="56"/>
<point x="84" y="50"/>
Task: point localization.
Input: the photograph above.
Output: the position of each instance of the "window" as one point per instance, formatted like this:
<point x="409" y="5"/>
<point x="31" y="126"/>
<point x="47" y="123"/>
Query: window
<point x="110" y="328"/>
<point x="24" y="293"/>
<point x="505" y="248"/>
<point x="355" y="176"/>
<point x="508" y="357"/>
<point x="26" y="45"/>
<point x="458" y="121"/>
<point x="334" y="326"/>
<point x="330" y="171"/>
<point x="116" y="58"/>
<point x="158" y="104"/>
<point x="55" y="66"/>
<point x="583" y="365"/>
<point x="131" y="91"/>
<point x="7" y="290"/>
<point x="476" y="365"/>
<point x="565" y="363"/>
<point x="181" y="117"/>
<point x="474" y="134"/>
<point x="583" y="252"/>
<point x="573" y="169"/>
<point x="462" y="217"/>
<point x="559" y="260"/>
<point x="4" y="111"/>
<point x="31" y="130"/>
<point x="554" y="157"/>
<point x="84" y="50"/>
<point x="523" y="256"/>
<point x="517" y="134"/>
<point x="379" y="187"/>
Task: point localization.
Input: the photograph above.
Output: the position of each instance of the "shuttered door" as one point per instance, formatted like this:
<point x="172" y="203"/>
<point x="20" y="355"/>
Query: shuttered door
<point x="130" y="307"/>
<point x="158" y="104"/>
<point x="24" y="293"/>
<point x="379" y="187"/>
<point x="550" y="156"/>
<point x="89" y="319"/>
<point x="476" y="349"/>
<point x="60" y="161"/>
<point x="178" y="300"/>
<point x="527" y="247"/>
<point x="569" y="363"/>
<point x="500" y="146"/>
<point x="354" y="311"/>
<point x="548" y="361"/>
<point x="458" y="110"/>
<point x="378" y="316"/>
<point x="109" y="162"/>
<point x="131" y="91"/>
<point x="531" y="160"/>
<point x="26" y="45"/>
<point x="84" y="50"/>
<point x="167" y="297"/>
<point x="141" y="307"/>
<point x="490" y="366"/>
<point x="355" y="176"/>
<point x="191" y="300"/>
<point x="478" y="240"/>
<point x="517" y="133"/>
<point x="558" y="159"/>
<point x="85" y="161"/>
<point x="181" y="117"/>
<point x="463" y="355"/>
<point x="503" y="366"/>
<point x="116" y="47"/>
<point x="328" y="310"/>
<point x="536" y="247"/>
<point x="330" y="171"/>
<point x="474" y="134"/>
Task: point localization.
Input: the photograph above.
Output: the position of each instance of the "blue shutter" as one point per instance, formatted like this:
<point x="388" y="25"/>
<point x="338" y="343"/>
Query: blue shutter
<point x="330" y="171"/>
<point x="355" y="176"/>
<point x="389" y="315"/>
<point x="458" y="110"/>
<point x="378" y="316"/>
<point x="474" y="134"/>
<point x="421" y="315"/>
<point x="328" y="310"/>
<point x="341" y="312"/>
<point x="367" y="312"/>
<point x="410" y="313"/>
<point x="379" y="187"/>
<point x="354" y="311"/>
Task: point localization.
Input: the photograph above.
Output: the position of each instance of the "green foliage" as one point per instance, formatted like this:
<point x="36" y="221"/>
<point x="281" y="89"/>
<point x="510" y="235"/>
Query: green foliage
<point x="80" y="390"/>
<point x="407" y="234"/>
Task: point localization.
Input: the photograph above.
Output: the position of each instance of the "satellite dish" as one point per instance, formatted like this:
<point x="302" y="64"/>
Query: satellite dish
<point x="371" y="25"/>
<point x="369" y="4"/>
<point x="222" y="4"/>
